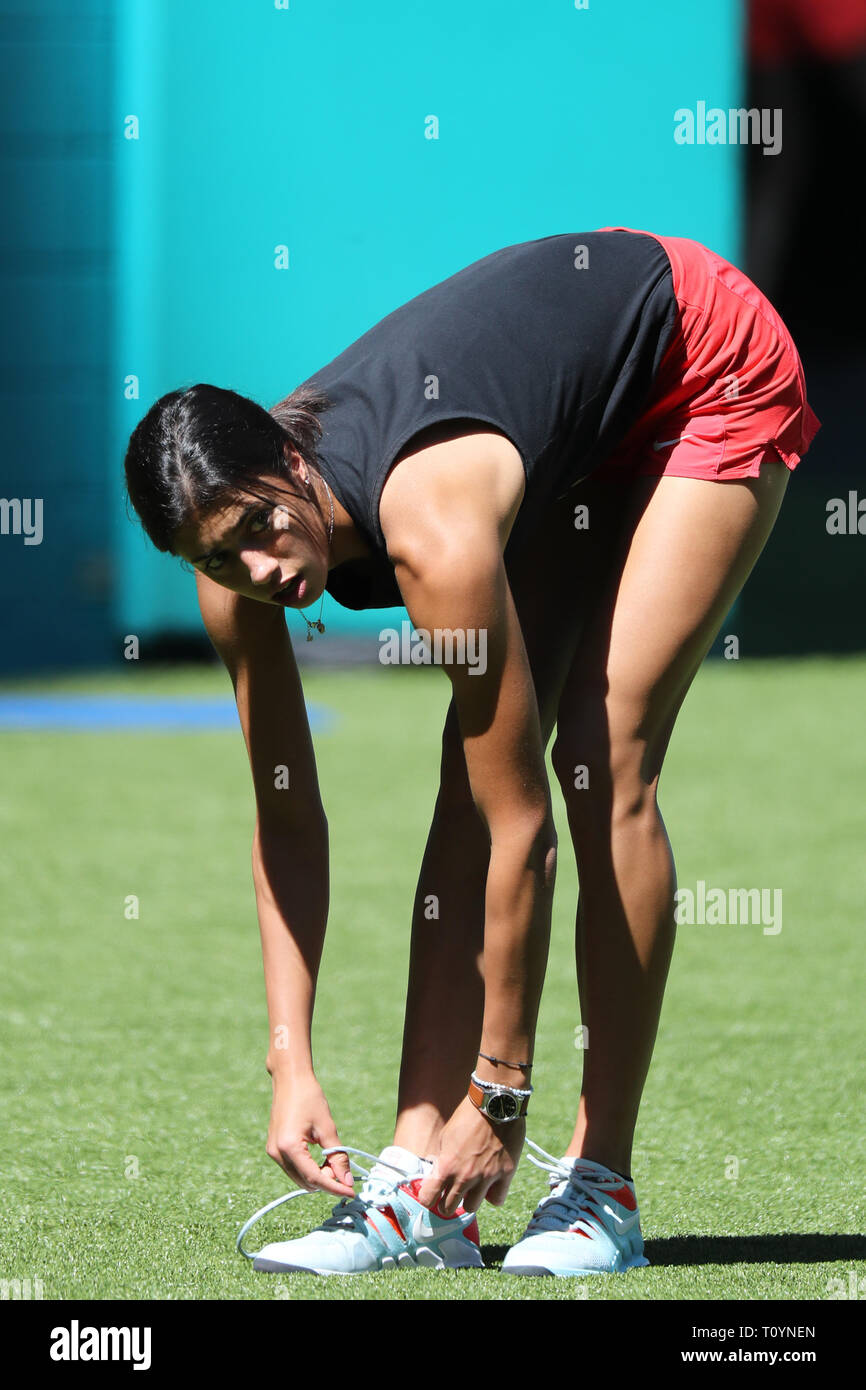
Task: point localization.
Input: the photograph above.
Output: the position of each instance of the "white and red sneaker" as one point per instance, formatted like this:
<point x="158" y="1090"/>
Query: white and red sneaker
<point x="589" y="1223"/>
<point x="384" y="1227"/>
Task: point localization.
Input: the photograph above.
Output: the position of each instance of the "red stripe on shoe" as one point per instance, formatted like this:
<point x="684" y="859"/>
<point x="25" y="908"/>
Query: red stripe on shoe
<point x="471" y="1231"/>
<point x="391" y="1216"/>
<point x="625" y="1197"/>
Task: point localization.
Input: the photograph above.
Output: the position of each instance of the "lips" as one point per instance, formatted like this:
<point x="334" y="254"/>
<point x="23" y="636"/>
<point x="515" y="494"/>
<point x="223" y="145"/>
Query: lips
<point x="291" y="592"/>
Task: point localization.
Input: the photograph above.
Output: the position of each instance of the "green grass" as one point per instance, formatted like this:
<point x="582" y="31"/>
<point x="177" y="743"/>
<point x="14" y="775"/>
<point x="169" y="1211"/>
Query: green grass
<point x="137" y="1046"/>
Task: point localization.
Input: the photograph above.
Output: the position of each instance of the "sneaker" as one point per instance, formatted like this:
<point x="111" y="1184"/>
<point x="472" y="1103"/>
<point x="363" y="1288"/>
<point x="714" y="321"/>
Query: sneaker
<point x="589" y="1224"/>
<point x="383" y="1227"/>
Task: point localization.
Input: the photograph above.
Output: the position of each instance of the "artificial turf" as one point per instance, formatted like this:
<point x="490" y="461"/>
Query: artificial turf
<point x="134" y="1099"/>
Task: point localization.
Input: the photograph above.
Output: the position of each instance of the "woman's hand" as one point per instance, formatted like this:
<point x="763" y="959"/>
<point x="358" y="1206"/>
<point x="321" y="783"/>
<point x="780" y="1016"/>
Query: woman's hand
<point x="477" y="1159"/>
<point x="300" y="1116"/>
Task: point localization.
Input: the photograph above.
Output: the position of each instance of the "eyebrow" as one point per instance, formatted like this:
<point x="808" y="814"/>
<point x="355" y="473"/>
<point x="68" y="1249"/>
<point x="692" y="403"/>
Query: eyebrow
<point x="256" y="507"/>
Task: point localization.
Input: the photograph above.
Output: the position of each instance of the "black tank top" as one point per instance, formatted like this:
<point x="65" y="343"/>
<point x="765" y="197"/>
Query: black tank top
<point x="555" y="342"/>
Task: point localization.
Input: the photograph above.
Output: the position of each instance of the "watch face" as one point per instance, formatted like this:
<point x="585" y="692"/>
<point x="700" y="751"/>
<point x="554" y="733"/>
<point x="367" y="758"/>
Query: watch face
<point x="502" y="1107"/>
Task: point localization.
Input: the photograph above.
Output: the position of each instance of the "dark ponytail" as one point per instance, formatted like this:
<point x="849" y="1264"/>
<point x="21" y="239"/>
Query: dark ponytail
<point x="201" y="449"/>
<point x="298" y="414"/>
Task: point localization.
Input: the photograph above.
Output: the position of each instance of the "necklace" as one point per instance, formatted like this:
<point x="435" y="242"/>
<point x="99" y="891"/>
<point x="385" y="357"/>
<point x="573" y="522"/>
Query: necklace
<point x="318" y="625"/>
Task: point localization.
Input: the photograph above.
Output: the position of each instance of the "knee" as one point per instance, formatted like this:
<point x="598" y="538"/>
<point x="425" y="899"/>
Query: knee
<point x="601" y="774"/>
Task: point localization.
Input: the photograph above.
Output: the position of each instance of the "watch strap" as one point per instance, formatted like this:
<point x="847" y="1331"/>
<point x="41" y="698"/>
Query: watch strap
<point x="478" y="1094"/>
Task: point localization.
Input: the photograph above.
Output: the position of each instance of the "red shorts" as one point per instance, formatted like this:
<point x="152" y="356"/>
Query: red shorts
<point x="730" y="390"/>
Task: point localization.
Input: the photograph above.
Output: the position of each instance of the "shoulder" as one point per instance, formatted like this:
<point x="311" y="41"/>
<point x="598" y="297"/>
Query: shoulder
<point x="450" y="482"/>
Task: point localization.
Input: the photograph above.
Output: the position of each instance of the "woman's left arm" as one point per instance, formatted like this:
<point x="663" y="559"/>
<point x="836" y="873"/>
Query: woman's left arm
<point x="450" y="569"/>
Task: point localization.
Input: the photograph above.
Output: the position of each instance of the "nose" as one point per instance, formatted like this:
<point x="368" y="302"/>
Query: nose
<point x="262" y="568"/>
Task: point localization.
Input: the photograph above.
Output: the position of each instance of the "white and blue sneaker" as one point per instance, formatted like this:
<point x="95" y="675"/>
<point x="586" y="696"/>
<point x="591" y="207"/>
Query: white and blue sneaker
<point x="589" y="1224"/>
<point x="383" y="1227"/>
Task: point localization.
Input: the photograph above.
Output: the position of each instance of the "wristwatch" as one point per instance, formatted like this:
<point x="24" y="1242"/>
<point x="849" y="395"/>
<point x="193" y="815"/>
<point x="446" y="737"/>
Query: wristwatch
<point x="499" y="1103"/>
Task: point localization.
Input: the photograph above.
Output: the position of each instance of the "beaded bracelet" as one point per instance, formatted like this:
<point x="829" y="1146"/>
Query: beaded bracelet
<point x="497" y="1086"/>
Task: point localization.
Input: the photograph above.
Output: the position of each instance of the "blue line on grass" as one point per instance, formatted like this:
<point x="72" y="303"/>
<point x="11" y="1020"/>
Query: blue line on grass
<point x="105" y="712"/>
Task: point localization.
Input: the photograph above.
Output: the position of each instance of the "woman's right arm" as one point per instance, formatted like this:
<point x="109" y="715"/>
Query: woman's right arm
<point x="290" y="868"/>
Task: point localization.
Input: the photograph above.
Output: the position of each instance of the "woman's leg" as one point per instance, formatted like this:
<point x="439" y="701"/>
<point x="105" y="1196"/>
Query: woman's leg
<point x="692" y="545"/>
<point x="445" y="997"/>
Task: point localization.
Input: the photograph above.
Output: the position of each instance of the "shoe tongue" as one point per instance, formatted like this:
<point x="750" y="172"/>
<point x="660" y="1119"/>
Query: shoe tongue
<point x="406" y="1166"/>
<point x="588" y="1168"/>
<point x="404" y="1160"/>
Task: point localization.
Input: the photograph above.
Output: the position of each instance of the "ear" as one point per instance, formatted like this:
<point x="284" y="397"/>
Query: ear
<point x="297" y="467"/>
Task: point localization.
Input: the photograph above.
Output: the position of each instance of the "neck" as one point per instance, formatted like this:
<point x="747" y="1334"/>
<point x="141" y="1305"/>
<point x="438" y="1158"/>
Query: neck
<point x="347" y="542"/>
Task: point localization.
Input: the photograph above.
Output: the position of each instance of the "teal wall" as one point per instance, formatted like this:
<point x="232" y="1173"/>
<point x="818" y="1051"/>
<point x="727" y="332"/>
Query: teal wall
<point x="258" y="126"/>
<point x="57" y="371"/>
<point x="305" y="126"/>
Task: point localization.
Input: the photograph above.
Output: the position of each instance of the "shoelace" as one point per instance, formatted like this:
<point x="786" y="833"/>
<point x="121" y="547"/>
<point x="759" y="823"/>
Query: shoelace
<point x="349" y="1211"/>
<point x="568" y="1193"/>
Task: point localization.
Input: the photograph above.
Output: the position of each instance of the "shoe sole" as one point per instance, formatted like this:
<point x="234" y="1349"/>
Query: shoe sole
<point x="426" y="1260"/>
<point x="533" y="1270"/>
